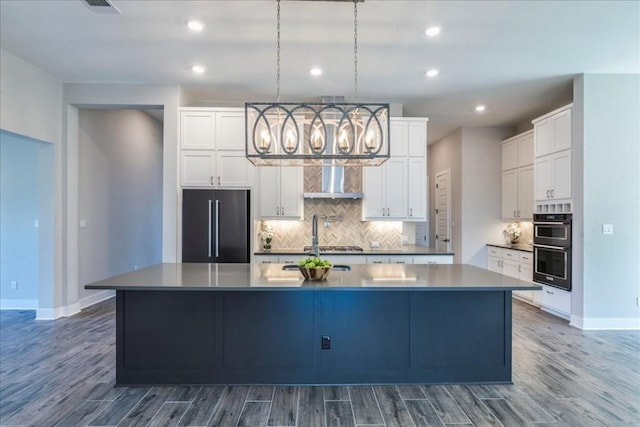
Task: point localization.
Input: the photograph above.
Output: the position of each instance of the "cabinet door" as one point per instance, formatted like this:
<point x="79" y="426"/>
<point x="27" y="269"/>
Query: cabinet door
<point x="373" y="204"/>
<point x="230" y="132"/>
<point x="396" y="188"/>
<point x="510" y="268"/>
<point x="542" y="182"/>
<point x="561" y="167"/>
<point x="555" y="300"/>
<point x="197" y="168"/>
<point x="510" y="155"/>
<point x="417" y="189"/>
<point x="543" y="137"/>
<point x="510" y="194"/>
<point x="197" y="130"/>
<point x="398" y="137"/>
<point x="291" y="183"/>
<point x="525" y="150"/>
<point x="269" y="198"/>
<point x="417" y="139"/>
<point x="494" y="264"/>
<point x="234" y="170"/>
<point x="562" y="131"/>
<point x="525" y="193"/>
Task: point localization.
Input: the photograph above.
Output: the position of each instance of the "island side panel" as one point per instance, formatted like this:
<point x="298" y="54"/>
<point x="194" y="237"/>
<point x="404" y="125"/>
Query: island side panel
<point x="461" y="336"/>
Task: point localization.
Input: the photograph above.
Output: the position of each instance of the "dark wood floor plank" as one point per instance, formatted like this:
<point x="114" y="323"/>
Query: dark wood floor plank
<point x="82" y="414"/>
<point x="336" y="393"/>
<point x="260" y="394"/>
<point x="394" y="411"/>
<point x="422" y="413"/>
<point x="365" y="406"/>
<point x="184" y="394"/>
<point x="228" y="411"/>
<point x="411" y="392"/>
<point x="254" y="414"/>
<point x="284" y="408"/>
<point x="505" y="412"/>
<point x="201" y="409"/>
<point x="169" y="414"/>
<point x="147" y="407"/>
<point x="446" y="407"/>
<point x="120" y="407"/>
<point x="311" y="407"/>
<point x="339" y="414"/>
<point x="474" y="408"/>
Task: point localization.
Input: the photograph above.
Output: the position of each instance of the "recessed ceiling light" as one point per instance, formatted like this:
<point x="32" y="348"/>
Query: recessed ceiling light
<point x="432" y="72"/>
<point x="195" y="25"/>
<point x="480" y="108"/>
<point x="316" y="71"/>
<point x="198" y="69"/>
<point x="432" y="31"/>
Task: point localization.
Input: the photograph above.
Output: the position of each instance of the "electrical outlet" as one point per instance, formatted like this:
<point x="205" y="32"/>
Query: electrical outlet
<point x="83" y="223"/>
<point x="375" y="244"/>
<point x="14" y="284"/>
<point x="607" y="228"/>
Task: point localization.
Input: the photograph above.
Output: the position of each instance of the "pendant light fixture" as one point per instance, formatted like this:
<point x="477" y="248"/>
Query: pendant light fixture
<point x="304" y="134"/>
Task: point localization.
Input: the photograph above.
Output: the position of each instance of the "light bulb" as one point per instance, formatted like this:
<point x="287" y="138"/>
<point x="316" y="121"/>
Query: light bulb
<point x="343" y="141"/>
<point x="369" y="140"/>
<point x="316" y="139"/>
<point x="290" y="139"/>
<point x="265" y="139"/>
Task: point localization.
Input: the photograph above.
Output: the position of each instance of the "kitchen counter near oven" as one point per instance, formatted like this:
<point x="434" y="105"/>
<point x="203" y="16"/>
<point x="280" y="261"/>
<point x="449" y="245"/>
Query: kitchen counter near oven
<point x="514" y="246"/>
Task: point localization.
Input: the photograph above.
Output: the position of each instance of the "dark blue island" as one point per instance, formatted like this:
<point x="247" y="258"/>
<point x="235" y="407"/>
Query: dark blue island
<point x="259" y="324"/>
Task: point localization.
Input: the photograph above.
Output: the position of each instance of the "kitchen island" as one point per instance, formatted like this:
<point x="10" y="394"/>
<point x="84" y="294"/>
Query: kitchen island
<point x="259" y="324"/>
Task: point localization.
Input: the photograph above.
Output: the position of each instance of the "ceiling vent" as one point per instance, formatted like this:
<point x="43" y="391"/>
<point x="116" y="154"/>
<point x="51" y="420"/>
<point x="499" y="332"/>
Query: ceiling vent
<point x="102" y="6"/>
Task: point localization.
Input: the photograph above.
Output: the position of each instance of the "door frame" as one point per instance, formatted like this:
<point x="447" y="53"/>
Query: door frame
<point x="437" y="213"/>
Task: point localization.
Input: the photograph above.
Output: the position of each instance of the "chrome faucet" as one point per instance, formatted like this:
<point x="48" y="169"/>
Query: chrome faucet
<point x="315" y="248"/>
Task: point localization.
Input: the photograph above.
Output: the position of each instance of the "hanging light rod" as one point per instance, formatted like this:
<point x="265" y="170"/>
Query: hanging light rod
<point x="298" y="134"/>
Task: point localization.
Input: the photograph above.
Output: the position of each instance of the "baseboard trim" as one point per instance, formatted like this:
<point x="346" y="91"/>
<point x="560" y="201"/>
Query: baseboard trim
<point x="606" y="323"/>
<point x="18" y="304"/>
<point x="75" y="308"/>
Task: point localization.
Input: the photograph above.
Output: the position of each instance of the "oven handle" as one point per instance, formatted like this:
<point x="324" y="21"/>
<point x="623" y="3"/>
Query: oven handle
<point x="558" y="248"/>
<point x="552" y="223"/>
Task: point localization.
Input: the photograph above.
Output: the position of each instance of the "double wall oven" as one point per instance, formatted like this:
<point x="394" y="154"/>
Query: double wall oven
<point x="552" y="250"/>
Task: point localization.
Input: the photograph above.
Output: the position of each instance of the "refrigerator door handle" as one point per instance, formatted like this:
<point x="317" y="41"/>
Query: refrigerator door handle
<point x="217" y="228"/>
<point x="209" y="229"/>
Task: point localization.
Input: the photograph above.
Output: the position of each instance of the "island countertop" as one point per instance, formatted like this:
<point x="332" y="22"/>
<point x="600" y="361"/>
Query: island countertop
<point x="251" y="277"/>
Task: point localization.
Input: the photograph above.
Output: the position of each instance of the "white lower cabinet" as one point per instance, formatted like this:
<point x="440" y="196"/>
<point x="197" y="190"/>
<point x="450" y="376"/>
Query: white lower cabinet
<point x="555" y="301"/>
<point x="267" y="259"/>
<point x="433" y="259"/>
<point x="516" y="264"/>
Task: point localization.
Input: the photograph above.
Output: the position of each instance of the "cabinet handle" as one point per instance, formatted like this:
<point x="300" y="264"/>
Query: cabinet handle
<point x="400" y="262"/>
<point x="383" y="212"/>
<point x="549" y="292"/>
<point x="211" y="180"/>
<point x="377" y="262"/>
<point x="277" y="210"/>
<point x="410" y="211"/>
<point x="514" y="214"/>
<point x="431" y="262"/>
<point x="282" y="210"/>
<point x="552" y="196"/>
<point x="388" y="214"/>
<point x="218" y="180"/>
<point x="548" y="197"/>
<point x="266" y="262"/>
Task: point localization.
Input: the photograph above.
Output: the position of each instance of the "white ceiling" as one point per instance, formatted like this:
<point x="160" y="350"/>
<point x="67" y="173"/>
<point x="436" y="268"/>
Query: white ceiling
<point x="517" y="57"/>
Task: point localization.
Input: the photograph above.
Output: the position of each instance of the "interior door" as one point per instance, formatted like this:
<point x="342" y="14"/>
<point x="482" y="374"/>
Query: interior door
<point x="443" y="211"/>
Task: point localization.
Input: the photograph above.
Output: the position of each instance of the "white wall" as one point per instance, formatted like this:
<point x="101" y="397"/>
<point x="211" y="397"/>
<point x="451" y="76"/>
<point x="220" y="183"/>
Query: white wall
<point x="26" y="219"/>
<point x="611" y="159"/>
<point x="120" y="193"/>
<point x="30" y="99"/>
<point x="481" y="191"/>
<point x="442" y="155"/>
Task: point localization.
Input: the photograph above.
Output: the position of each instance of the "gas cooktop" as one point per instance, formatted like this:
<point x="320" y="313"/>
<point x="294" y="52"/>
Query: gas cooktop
<point x="335" y="249"/>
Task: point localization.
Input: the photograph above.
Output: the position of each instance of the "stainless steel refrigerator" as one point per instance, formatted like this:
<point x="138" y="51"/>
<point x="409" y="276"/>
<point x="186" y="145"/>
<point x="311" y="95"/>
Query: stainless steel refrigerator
<point x="215" y="226"/>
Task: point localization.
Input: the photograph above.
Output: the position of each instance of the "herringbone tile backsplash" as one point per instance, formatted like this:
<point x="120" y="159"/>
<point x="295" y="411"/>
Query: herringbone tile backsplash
<point x="350" y="231"/>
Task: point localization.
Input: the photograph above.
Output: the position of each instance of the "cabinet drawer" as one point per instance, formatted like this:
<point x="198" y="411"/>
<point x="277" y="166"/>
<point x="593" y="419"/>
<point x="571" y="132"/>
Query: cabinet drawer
<point x="433" y="259"/>
<point x="511" y="254"/>
<point x="267" y="259"/>
<point x="377" y="259"/>
<point x="401" y="259"/>
<point x="493" y="251"/>
<point x="526" y="257"/>
<point x="555" y="299"/>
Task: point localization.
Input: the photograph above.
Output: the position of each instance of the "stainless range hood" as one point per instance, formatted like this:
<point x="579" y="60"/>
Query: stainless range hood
<point x="332" y="175"/>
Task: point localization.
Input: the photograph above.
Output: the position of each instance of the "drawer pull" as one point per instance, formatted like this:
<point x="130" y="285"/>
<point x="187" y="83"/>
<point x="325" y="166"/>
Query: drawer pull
<point x="549" y="292"/>
<point x="377" y="262"/>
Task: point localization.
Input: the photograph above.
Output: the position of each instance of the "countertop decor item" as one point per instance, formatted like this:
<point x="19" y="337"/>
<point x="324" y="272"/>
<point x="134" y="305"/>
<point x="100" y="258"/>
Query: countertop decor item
<point x="267" y="234"/>
<point x="314" y="268"/>
<point x="306" y="134"/>
<point x="513" y="231"/>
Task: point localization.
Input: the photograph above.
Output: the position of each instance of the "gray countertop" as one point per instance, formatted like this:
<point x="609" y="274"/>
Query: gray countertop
<point x="517" y="247"/>
<point x="245" y="277"/>
<point x="404" y="250"/>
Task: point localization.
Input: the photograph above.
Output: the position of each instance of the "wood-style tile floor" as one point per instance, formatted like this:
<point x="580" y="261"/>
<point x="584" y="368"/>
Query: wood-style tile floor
<point x="62" y="373"/>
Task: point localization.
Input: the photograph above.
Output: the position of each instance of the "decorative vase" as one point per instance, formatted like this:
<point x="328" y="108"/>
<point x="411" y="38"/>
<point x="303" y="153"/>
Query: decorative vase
<point x="514" y="240"/>
<point x="267" y="245"/>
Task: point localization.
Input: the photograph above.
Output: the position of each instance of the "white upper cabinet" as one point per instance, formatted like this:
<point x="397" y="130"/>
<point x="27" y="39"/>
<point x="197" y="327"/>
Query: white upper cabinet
<point x="281" y="191"/>
<point x="397" y="190"/>
<point x="197" y="130"/>
<point x="553" y="132"/>
<point x="517" y="177"/>
<point x="212" y="149"/>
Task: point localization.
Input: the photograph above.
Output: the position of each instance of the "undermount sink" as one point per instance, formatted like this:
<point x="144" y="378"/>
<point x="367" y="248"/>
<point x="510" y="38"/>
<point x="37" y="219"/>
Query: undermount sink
<point x="337" y="267"/>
